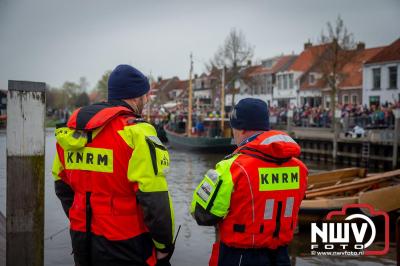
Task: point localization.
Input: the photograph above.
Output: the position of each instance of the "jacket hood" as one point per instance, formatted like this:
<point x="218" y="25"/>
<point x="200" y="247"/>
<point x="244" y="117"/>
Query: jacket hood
<point x="72" y="139"/>
<point x="86" y="122"/>
<point x="95" y="115"/>
<point x="272" y="144"/>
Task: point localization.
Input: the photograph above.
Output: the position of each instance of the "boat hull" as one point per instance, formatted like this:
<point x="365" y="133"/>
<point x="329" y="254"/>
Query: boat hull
<point x="203" y="144"/>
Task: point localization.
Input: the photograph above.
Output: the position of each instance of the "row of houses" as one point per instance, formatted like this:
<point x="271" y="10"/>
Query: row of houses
<point x="369" y="76"/>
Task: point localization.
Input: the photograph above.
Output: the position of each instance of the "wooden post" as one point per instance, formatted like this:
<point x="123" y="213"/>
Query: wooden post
<point x="26" y="105"/>
<point x="396" y="136"/>
<point x="336" y="132"/>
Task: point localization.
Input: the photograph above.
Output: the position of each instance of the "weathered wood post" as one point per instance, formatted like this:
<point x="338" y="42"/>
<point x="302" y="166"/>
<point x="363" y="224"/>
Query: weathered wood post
<point x="336" y="133"/>
<point x="396" y="136"/>
<point x="26" y="107"/>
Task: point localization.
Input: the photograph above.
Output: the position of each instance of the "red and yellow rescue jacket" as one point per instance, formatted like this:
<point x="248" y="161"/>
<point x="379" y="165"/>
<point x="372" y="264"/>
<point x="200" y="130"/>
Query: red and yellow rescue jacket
<point x="114" y="165"/>
<point x="254" y="195"/>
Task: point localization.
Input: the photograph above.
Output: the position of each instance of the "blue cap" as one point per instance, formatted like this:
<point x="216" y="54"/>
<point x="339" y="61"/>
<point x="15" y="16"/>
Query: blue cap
<point x="126" y="82"/>
<point x="250" y="114"/>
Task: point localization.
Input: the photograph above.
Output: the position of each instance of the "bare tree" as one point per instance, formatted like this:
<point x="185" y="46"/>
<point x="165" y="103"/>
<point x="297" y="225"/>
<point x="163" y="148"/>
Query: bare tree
<point x="234" y="53"/>
<point x="339" y="49"/>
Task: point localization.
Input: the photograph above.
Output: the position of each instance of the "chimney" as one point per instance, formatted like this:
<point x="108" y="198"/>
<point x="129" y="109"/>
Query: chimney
<point x="307" y="45"/>
<point x="360" y="46"/>
<point x="159" y="79"/>
<point x="196" y="76"/>
<point x="248" y="62"/>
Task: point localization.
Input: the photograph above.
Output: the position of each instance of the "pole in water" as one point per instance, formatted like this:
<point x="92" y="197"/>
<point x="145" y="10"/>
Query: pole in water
<point x="26" y="105"/>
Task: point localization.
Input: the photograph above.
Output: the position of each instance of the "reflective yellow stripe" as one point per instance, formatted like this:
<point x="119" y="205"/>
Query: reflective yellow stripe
<point x="281" y="178"/>
<point x="57" y="168"/>
<point x="90" y="159"/>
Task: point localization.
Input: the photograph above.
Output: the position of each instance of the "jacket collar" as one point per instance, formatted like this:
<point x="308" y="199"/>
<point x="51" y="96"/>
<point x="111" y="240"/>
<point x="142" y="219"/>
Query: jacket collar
<point x="124" y="104"/>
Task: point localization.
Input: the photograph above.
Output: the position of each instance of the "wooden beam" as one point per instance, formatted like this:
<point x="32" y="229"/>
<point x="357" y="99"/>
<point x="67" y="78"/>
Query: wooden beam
<point x="357" y="184"/>
<point x="384" y="199"/>
<point x="335" y="175"/>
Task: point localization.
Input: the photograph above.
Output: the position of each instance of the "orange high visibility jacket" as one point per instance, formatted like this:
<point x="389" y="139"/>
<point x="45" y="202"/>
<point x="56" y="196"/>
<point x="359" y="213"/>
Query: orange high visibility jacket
<point x="254" y="195"/>
<point x="115" y="166"/>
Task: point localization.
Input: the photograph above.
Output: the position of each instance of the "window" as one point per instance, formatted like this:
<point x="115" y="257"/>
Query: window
<point x="345" y="98"/>
<point x="374" y="100"/>
<point x="290" y="81"/>
<point x="311" y="79"/>
<point x="376" y="78"/>
<point x="393" y="77"/>
<point x="354" y="98"/>
<point x="285" y="82"/>
<point x="327" y="101"/>
<point x="269" y="82"/>
<point x="279" y="82"/>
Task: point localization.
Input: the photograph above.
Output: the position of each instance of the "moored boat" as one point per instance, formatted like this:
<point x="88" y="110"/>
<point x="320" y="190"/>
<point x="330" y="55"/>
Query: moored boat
<point x="199" y="143"/>
<point x="213" y="134"/>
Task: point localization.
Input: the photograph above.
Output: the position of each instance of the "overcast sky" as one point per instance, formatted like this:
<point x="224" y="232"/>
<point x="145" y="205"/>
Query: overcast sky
<point x="54" y="41"/>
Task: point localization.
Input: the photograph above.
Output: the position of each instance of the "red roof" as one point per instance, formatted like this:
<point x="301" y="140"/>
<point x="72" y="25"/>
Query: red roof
<point x="353" y="69"/>
<point x="183" y="85"/>
<point x="307" y="58"/>
<point x="280" y="62"/>
<point x="389" y="53"/>
<point x="159" y="84"/>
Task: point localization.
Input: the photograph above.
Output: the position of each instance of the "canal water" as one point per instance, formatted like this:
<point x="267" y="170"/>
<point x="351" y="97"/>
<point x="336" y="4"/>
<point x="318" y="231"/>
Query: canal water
<point x="194" y="242"/>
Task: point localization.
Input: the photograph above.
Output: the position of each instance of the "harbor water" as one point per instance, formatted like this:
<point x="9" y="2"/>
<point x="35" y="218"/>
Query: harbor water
<point x="194" y="242"/>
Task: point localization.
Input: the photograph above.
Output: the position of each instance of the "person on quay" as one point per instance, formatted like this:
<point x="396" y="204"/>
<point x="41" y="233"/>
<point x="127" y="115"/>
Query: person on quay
<point x="109" y="172"/>
<point x="254" y="195"/>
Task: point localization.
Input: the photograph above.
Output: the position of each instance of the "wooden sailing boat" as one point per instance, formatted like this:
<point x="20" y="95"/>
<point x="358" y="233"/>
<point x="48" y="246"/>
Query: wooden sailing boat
<point x="190" y="141"/>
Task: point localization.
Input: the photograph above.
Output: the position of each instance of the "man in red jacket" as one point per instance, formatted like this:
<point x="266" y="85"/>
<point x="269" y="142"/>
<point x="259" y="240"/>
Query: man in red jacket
<point x="109" y="173"/>
<point x="254" y="195"/>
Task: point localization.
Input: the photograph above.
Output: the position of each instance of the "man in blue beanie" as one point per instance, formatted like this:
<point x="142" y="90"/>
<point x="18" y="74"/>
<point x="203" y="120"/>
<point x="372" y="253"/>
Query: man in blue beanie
<point x="109" y="174"/>
<point x="254" y="195"/>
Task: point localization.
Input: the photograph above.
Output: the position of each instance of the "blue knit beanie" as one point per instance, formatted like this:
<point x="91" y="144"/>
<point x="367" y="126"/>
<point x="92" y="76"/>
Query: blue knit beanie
<point x="126" y="82"/>
<point x="250" y="114"/>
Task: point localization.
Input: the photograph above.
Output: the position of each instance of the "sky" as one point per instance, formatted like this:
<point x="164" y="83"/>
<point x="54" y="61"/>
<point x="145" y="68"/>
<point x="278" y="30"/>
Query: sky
<point x="54" y="41"/>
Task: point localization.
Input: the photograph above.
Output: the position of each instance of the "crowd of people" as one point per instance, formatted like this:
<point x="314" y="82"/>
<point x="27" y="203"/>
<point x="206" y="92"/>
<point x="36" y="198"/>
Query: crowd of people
<point x="375" y="116"/>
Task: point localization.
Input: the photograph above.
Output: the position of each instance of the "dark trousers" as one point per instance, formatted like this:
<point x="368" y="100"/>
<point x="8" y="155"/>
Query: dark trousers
<point x="229" y="256"/>
<point x="103" y="252"/>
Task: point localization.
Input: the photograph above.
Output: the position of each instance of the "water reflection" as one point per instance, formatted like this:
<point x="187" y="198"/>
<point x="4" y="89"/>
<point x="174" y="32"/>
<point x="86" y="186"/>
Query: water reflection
<point x="194" y="242"/>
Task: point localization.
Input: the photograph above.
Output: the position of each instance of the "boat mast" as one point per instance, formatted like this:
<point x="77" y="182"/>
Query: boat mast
<point x="189" y="128"/>
<point x="222" y="100"/>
